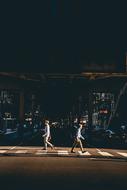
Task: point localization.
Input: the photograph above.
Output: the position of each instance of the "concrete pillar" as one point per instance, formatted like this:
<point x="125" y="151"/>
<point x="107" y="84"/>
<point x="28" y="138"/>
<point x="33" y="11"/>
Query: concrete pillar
<point x="90" y="108"/>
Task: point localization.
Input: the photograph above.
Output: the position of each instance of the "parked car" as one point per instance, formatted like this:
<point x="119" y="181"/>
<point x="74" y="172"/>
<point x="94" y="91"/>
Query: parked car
<point x="116" y="136"/>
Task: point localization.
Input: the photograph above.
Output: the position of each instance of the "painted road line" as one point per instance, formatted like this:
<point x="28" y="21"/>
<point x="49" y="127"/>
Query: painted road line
<point x="3" y="151"/>
<point x="41" y="152"/>
<point x="105" y="154"/>
<point x="62" y="152"/>
<point x="98" y="150"/>
<point x="13" y="148"/>
<point x="84" y="154"/>
<point x="122" y="153"/>
<point x="20" y="151"/>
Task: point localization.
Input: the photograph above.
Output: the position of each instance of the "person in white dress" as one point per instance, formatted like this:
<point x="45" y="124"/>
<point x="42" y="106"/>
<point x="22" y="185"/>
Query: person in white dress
<point x="47" y="136"/>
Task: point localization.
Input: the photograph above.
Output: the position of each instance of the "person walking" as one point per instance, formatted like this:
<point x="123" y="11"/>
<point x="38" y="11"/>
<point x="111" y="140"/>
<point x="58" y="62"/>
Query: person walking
<point x="47" y="136"/>
<point x="77" y="140"/>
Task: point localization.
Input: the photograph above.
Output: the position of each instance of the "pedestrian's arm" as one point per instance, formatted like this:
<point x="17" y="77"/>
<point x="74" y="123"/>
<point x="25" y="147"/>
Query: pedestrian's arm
<point x="44" y="134"/>
<point x="82" y="137"/>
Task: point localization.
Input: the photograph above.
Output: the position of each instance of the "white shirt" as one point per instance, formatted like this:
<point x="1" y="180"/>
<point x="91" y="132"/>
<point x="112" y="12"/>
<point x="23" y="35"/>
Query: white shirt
<point x="47" y="131"/>
<point x="78" y="135"/>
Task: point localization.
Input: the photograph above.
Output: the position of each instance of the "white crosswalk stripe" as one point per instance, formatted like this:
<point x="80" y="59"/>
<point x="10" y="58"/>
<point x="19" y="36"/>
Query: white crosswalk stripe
<point x="122" y="154"/>
<point x="105" y="154"/>
<point x="63" y="152"/>
<point x="2" y="151"/>
<point x="84" y="154"/>
<point x="41" y="152"/>
<point x="52" y="153"/>
<point x="20" y="151"/>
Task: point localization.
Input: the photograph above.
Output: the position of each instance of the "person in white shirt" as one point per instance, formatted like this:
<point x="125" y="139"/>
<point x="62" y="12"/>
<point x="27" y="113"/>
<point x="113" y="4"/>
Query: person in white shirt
<point x="47" y="136"/>
<point x="78" y="138"/>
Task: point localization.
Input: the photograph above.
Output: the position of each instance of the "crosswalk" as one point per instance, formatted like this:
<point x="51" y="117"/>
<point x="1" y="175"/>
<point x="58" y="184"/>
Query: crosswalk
<point x="63" y="152"/>
<point x="21" y="151"/>
<point x="105" y="154"/>
<point x="87" y="153"/>
<point x="2" y="151"/>
<point x="123" y="154"/>
<point x="84" y="154"/>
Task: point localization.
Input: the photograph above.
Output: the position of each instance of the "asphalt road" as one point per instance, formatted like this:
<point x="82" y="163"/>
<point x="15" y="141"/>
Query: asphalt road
<point x="62" y="173"/>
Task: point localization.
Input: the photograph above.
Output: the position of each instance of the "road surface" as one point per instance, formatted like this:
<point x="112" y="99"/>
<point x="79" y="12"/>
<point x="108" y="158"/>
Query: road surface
<point x="27" y="173"/>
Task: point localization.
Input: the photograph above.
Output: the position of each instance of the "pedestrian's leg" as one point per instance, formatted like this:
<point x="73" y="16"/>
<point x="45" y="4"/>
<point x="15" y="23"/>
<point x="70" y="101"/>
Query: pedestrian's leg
<point x="74" y="145"/>
<point x="81" y="146"/>
<point x="51" y="145"/>
<point x="45" y="143"/>
<point x="48" y="143"/>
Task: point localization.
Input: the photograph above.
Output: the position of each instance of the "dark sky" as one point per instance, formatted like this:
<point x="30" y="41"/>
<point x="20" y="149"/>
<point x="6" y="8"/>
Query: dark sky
<point x="63" y="36"/>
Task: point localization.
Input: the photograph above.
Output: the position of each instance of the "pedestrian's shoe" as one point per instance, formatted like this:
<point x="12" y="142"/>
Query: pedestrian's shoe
<point x="72" y="151"/>
<point x="52" y="147"/>
<point x="83" y="151"/>
<point x="44" y="149"/>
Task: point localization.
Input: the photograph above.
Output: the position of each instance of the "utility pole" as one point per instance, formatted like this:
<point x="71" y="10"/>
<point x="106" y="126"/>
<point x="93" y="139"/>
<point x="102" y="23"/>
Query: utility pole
<point x="21" y="106"/>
